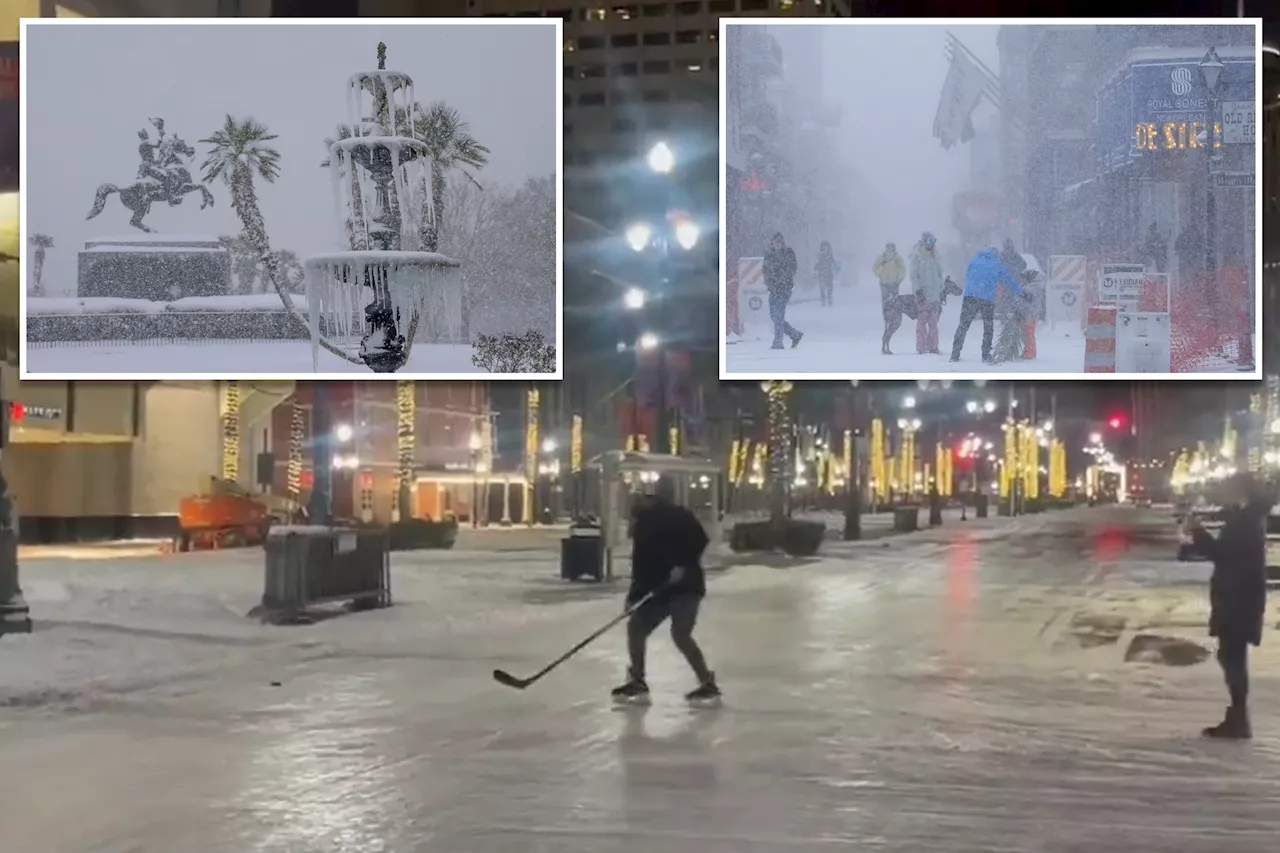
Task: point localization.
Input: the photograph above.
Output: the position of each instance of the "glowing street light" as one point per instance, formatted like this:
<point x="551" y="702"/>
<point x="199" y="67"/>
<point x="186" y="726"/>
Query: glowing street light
<point x="989" y="406"/>
<point x="648" y="341"/>
<point x="662" y="159"/>
<point x="908" y="402"/>
<point x="343" y="432"/>
<point x="687" y="234"/>
<point x="549" y="445"/>
<point x="639" y="236"/>
<point x="972" y="406"/>
<point x="634" y="299"/>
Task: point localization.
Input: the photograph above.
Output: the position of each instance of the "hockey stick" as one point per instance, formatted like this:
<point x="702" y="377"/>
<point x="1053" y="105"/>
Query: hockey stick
<point x="505" y="678"/>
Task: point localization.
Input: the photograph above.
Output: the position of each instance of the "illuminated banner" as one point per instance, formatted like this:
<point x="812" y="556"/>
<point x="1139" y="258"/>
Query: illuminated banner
<point x="1158" y="107"/>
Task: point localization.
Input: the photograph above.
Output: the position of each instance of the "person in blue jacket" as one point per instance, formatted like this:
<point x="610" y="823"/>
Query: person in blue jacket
<point x="985" y="274"/>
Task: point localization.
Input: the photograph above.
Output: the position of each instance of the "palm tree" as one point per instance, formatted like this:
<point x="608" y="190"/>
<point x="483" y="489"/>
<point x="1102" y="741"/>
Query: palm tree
<point x="451" y="146"/>
<point x="358" y="239"/>
<point x="239" y="151"/>
<point x="292" y="269"/>
<point x="39" y="242"/>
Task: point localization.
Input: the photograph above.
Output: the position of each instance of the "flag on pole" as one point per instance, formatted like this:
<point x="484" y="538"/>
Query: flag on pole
<point x="960" y="95"/>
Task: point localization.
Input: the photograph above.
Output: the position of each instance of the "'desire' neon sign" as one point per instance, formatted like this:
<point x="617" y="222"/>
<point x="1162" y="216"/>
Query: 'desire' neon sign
<point x="1174" y="136"/>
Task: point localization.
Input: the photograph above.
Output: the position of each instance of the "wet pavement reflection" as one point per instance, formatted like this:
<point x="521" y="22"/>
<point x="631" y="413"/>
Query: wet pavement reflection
<point x="934" y="695"/>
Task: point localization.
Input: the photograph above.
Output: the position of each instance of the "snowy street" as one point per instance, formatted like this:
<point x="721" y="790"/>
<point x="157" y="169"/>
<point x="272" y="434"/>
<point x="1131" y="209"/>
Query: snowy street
<point x="960" y="689"/>
<point x="846" y="338"/>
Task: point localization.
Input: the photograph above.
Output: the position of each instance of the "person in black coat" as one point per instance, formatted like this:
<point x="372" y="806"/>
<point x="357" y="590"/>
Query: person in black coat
<point x="780" y="279"/>
<point x="1237" y="594"/>
<point x="666" y="559"/>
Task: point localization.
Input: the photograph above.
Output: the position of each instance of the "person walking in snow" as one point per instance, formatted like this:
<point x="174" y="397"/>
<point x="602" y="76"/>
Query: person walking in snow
<point x="826" y="269"/>
<point x="927" y="284"/>
<point x="780" y="279"/>
<point x="1237" y="593"/>
<point x="1155" y="251"/>
<point x="667" y="545"/>
<point x="986" y="272"/>
<point x="890" y="270"/>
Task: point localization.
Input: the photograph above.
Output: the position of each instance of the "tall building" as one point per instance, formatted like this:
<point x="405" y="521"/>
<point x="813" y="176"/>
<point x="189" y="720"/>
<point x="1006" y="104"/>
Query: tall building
<point x="637" y="73"/>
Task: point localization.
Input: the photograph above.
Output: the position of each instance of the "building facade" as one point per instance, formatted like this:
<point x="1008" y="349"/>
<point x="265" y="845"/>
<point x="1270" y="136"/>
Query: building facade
<point x="1106" y="146"/>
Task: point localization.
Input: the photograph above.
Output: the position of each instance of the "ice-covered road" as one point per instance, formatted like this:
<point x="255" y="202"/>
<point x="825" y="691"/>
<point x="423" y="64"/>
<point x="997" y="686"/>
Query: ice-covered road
<point x="963" y="689"/>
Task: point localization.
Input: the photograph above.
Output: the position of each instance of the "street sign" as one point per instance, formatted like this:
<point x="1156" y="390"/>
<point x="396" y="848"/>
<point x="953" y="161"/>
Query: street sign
<point x="1064" y="303"/>
<point x="1237" y="122"/>
<point x="1233" y="179"/>
<point x="1121" y="284"/>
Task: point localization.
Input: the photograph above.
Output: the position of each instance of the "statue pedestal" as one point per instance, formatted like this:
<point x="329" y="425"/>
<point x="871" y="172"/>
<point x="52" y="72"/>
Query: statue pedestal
<point x="156" y="267"/>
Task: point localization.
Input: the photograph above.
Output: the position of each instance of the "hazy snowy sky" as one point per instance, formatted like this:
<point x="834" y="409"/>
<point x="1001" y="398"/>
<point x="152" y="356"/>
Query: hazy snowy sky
<point x="91" y="88"/>
<point x="887" y="80"/>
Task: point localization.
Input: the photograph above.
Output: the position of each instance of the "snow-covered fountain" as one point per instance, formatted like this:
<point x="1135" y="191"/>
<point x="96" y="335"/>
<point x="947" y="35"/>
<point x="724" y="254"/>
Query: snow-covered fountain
<point x="367" y="303"/>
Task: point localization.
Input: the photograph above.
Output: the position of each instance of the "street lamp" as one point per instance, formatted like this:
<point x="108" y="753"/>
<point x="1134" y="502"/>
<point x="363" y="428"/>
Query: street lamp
<point x="343" y="432"/>
<point x="639" y="236"/>
<point x="909" y="402"/>
<point x="634" y="299"/>
<point x="648" y="341"/>
<point x="687" y="233"/>
<point x="662" y="159"/>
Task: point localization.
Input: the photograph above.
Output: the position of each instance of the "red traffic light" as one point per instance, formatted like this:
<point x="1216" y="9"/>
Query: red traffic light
<point x="1116" y="422"/>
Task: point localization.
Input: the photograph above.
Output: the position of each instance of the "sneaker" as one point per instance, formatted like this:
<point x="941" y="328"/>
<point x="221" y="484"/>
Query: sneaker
<point x="707" y="695"/>
<point x="795" y="341"/>
<point x="955" y="359"/>
<point x="634" y="692"/>
<point x="1235" y="726"/>
<point x="777" y="345"/>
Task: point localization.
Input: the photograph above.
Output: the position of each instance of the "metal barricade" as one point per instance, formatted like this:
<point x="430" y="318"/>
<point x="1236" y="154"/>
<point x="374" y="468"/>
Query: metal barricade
<point x="306" y="566"/>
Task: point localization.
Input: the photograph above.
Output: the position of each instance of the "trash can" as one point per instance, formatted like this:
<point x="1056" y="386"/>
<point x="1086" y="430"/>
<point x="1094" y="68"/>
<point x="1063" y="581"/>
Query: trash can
<point x="582" y="552"/>
<point x="906" y="519"/>
<point x="980" y="504"/>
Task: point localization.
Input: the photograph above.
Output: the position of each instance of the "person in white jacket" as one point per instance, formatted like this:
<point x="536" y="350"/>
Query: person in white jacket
<point x="927" y="284"/>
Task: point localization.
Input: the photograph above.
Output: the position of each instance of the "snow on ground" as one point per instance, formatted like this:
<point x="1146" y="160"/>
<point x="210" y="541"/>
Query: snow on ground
<point x="80" y="305"/>
<point x="845" y="338"/>
<point x="954" y="692"/>
<point x="229" y="359"/>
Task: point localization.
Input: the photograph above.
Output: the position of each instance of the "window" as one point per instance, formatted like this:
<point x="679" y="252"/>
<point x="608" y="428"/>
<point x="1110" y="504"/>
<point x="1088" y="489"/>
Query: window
<point x="755" y="5"/>
<point x="591" y="99"/>
<point x="689" y="7"/>
<point x="626" y="69"/>
<point x="593" y="72"/>
<point x="721" y="6"/>
<point x="595" y="14"/>
<point x="687" y="37"/>
<point x="657" y="66"/>
<point x="656" y="96"/>
<point x="624" y="125"/>
<point x="590" y="42"/>
<point x="629" y="40"/>
<point x="656" y="39"/>
<point x="656" y="10"/>
<point x="620" y="98"/>
<point x="626" y="13"/>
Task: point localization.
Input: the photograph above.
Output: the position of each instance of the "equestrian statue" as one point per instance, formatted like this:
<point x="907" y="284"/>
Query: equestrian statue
<point x="162" y="176"/>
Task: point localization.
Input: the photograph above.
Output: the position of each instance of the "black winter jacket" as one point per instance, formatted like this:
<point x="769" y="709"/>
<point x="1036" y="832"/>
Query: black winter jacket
<point x="664" y="536"/>
<point x="780" y="270"/>
<point x="1238" y="587"/>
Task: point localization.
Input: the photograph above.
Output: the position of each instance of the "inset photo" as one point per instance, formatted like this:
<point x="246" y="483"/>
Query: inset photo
<point x="278" y="198"/>
<point x="977" y="199"/>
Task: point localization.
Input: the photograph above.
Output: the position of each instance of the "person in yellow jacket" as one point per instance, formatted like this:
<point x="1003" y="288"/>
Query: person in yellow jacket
<point x="891" y="270"/>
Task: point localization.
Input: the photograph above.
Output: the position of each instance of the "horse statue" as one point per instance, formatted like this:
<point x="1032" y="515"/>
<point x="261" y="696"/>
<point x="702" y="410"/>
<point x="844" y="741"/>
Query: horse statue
<point x="163" y="176"/>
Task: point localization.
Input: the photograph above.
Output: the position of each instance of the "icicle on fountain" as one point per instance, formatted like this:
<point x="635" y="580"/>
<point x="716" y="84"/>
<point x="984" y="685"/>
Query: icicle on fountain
<point x="382" y="194"/>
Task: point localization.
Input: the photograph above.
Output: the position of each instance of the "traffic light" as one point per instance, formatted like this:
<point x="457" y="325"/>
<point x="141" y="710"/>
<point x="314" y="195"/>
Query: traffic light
<point x="1116" y="422"/>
